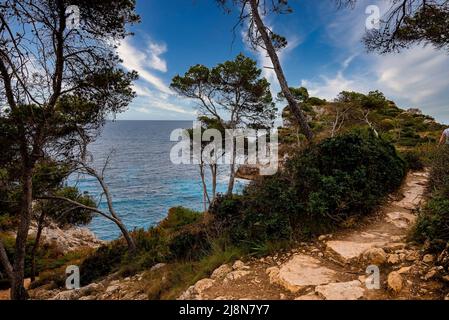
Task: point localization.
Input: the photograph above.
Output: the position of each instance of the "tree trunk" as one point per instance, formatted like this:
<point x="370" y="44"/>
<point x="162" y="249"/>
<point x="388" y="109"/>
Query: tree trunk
<point x="232" y="168"/>
<point x="18" y="292"/>
<point x="206" y="199"/>
<point x="213" y="170"/>
<point x="40" y="227"/>
<point x="129" y="240"/>
<point x="292" y="103"/>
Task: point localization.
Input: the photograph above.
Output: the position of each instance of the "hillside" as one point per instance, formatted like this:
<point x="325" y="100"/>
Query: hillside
<point x="409" y="130"/>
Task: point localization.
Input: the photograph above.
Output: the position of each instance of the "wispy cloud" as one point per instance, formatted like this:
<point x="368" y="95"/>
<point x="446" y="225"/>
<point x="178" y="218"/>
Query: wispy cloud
<point x="414" y="78"/>
<point x="151" y="89"/>
<point x="145" y="60"/>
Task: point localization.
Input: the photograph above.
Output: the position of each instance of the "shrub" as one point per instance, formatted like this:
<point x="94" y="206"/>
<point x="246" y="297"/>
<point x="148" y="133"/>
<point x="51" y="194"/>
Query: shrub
<point x="180" y="236"/>
<point x="105" y="260"/>
<point x="189" y="244"/>
<point x="439" y="173"/>
<point x="178" y="217"/>
<point x="433" y="223"/>
<point x="318" y="189"/>
<point x="413" y="160"/>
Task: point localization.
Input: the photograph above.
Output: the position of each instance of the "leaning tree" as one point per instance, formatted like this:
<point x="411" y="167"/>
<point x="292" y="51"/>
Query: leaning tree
<point x="262" y="37"/>
<point x="59" y="78"/>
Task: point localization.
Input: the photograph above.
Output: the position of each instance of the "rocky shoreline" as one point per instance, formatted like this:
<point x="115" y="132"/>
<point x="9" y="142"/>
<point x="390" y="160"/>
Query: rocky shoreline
<point x="67" y="239"/>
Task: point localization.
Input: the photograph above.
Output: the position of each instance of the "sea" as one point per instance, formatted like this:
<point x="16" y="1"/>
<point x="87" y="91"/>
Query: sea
<point x="144" y="183"/>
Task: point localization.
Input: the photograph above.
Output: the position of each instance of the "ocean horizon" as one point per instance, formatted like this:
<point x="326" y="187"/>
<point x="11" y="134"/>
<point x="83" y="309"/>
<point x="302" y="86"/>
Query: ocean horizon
<point x="143" y="181"/>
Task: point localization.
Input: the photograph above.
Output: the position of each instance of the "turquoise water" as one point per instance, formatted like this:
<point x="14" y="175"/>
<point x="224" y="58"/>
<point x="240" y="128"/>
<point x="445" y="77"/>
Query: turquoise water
<point x="143" y="181"/>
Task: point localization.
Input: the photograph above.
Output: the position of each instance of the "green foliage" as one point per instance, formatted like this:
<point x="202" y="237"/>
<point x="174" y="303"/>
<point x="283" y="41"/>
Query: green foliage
<point x="318" y="190"/>
<point x="244" y="96"/>
<point x="102" y="262"/>
<point x="66" y="214"/>
<point x="374" y="100"/>
<point x="314" y="101"/>
<point x="179" y="217"/>
<point x="439" y="174"/>
<point x="180" y="236"/>
<point x="433" y="221"/>
<point x="413" y="160"/>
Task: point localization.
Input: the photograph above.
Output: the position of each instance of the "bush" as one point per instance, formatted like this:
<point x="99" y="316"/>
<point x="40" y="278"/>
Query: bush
<point x="433" y="221"/>
<point x="180" y="236"/>
<point x="439" y="173"/>
<point x="413" y="160"/>
<point x="179" y="217"/>
<point x="318" y="189"/>
<point x="104" y="261"/>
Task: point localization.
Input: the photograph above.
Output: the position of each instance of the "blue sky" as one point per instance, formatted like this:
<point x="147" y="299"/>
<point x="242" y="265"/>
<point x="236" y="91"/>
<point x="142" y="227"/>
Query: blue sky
<point x="325" y="54"/>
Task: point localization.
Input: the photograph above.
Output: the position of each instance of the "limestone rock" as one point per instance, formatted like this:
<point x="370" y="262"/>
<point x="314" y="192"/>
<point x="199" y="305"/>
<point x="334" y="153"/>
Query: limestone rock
<point x="112" y="289"/>
<point x="203" y="285"/>
<point x="376" y="256"/>
<point x="341" y="291"/>
<point x="401" y="220"/>
<point x="404" y="270"/>
<point x="428" y="258"/>
<point x="221" y="272"/>
<point x="239" y="265"/>
<point x="309" y="297"/>
<point x="235" y="275"/>
<point x="273" y="274"/>
<point x="67" y="295"/>
<point x="67" y="239"/>
<point x="395" y="282"/>
<point x="393" y="259"/>
<point x="348" y="251"/>
<point x="412" y="256"/>
<point x="302" y="271"/>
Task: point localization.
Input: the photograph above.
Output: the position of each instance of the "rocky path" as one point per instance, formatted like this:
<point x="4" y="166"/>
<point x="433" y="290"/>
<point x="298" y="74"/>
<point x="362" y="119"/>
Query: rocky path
<point x="335" y="266"/>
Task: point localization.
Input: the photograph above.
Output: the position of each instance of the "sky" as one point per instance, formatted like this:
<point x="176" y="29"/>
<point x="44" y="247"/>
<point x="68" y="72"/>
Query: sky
<point x="325" y="54"/>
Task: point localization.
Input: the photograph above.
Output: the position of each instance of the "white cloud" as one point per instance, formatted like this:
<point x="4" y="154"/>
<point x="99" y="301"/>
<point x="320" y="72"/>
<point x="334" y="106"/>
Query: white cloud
<point x="156" y="100"/>
<point x="151" y="90"/>
<point x="142" y="61"/>
<point x="156" y="62"/>
<point x="419" y="74"/>
<point x="413" y="78"/>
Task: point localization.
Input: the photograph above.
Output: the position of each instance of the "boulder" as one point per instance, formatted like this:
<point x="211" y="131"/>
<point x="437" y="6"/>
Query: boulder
<point x="428" y="258"/>
<point x="376" y="256"/>
<point x="302" y="271"/>
<point x="348" y="251"/>
<point x="395" y="282"/>
<point x="221" y="272"/>
<point x="393" y="259"/>
<point x="235" y="275"/>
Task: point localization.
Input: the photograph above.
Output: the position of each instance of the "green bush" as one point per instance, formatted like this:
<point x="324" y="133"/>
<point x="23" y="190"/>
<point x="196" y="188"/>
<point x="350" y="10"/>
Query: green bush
<point x="413" y="160"/>
<point x="104" y="261"/>
<point x="189" y="244"/>
<point x="180" y="236"/>
<point x="439" y="173"/>
<point x="433" y="223"/>
<point x="318" y="189"/>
